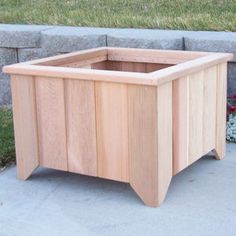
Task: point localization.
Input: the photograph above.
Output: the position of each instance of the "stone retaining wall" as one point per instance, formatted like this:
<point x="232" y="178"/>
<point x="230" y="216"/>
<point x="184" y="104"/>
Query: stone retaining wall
<point x="20" y="43"/>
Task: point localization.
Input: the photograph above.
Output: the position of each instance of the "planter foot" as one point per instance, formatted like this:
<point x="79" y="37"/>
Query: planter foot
<point x="219" y="155"/>
<point x="24" y="173"/>
<point x="151" y="197"/>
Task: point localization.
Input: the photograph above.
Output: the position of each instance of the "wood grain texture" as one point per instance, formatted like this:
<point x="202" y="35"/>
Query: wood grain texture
<point x="180" y="124"/>
<point x="151" y="67"/>
<point x="150" y="141"/>
<point x="221" y="111"/>
<point x="152" y="55"/>
<point x="196" y="95"/>
<point x="25" y="125"/>
<point x="143" y="160"/>
<point x="112" y="130"/>
<point x="51" y="122"/>
<point x="164" y="140"/>
<point x="133" y="66"/>
<point x="81" y="129"/>
<point x="209" y="109"/>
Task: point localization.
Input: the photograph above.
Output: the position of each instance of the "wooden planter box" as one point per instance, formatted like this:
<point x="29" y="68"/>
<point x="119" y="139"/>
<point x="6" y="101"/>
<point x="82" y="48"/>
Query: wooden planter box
<point x="132" y="115"/>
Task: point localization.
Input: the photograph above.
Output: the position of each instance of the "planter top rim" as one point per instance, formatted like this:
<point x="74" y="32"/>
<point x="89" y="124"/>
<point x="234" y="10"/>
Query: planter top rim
<point x="183" y="62"/>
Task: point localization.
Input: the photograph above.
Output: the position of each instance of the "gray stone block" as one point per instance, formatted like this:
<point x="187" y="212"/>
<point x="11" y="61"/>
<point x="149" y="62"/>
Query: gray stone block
<point x="146" y="38"/>
<point x="7" y="57"/>
<point x="4" y="76"/>
<point x="27" y="54"/>
<point x="20" y="36"/>
<point x="210" y="41"/>
<point x="5" y="92"/>
<point x="231" y="78"/>
<point x="67" y="39"/>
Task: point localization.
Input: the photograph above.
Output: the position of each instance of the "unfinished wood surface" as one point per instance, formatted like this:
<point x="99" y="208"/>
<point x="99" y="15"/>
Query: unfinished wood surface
<point x="151" y="67"/>
<point x="113" y="65"/>
<point x="84" y="63"/>
<point x="164" y="140"/>
<point x="83" y="57"/>
<point x="25" y="125"/>
<point x="99" y="65"/>
<point x="83" y="74"/>
<point x="180" y="124"/>
<point x="133" y="66"/>
<point x="51" y="122"/>
<point x="153" y="78"/>
<point x="189" y="67"/>
<point x="113" y="119"/>
<point x="209" y="109"/>
<point x="152" y="55"/>
<point x="196" y="95"/>
<point x="143" y="158"/>
<point x="221" y="110"/>
<point x="112" y="130"/>
<point x="81" y="130"/>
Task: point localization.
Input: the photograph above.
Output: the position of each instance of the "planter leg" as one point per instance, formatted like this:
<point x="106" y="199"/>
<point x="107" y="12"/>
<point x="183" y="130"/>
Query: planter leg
<point x="219" y="153"/>
<point x="221" y="112"/>
<point x="25" y="125"/>
<point x="151" y="192"/>
<point x="150" y="142"/>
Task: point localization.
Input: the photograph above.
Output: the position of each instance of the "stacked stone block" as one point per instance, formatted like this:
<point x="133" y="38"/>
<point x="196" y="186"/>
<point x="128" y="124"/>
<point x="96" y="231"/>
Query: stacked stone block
<point x="19" y="43"/>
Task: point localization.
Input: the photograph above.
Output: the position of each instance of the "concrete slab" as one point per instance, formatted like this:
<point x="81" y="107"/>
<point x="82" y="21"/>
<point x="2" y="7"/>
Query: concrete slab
<point x="201" y="201"/>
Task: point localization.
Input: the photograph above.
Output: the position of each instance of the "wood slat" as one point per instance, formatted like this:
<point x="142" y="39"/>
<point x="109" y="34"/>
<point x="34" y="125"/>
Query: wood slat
<point x="51" y="122"/>
<point x="25" y="125"/>
<point x="152" y="55"/>
<point x="221" y="110"/>
<point x="164" y="139"/>
<point x="87" y="56"/>
<point x="143" y="161"/>
<point x="133" y="66"/>
<point x="81" y="130"/>
<point x="180" y="124"/>
<point x="150" y="141"/>
<point x="189" y="67"/>
<point x="196" y="96"/>
<point x="112" y="130"/>
<point x="151" y="67"/>
<point x="209" y="112"/>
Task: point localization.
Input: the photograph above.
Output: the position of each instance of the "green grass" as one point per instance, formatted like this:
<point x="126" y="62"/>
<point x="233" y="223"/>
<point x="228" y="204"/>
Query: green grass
<point x="217" y="15"/>
<point x="7" y="148"/>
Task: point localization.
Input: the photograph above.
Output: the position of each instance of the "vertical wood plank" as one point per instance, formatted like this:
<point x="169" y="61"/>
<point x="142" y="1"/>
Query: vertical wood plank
<point x="180" y="124"/>
<point x="164" y="139"/>
<point x="113" y="65"/>
<point x="196" y="95"/>
<point x="112" y="130"/>
<point x="25" y="125"/>
<point x="143" y="142"/>
<point x="51" y="122"/>
<point x="209" y="112"/>
<point x="150" y="141"/>
<point x="221" y="110"/>
<point x="81" y="130"/>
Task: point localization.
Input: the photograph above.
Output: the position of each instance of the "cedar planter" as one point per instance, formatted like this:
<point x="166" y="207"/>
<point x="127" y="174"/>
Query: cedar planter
<point x="114" y="113"/>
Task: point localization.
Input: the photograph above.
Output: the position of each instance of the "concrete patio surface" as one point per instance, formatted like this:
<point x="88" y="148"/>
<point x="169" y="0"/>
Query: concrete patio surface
<point x="201" y="201"/>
